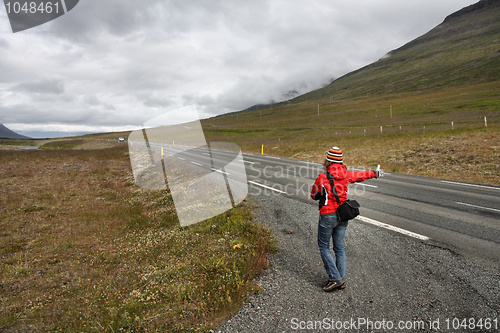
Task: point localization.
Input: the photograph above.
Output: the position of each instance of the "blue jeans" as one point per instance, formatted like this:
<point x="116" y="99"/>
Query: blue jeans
<point x="330" y="227"/>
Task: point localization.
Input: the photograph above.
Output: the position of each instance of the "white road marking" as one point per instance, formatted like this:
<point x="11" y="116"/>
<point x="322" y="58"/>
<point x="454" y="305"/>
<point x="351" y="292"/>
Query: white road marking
<point x="64" y="6"/>
<point x="268" y="187"/>
<point x="195" y="163"/>
<point x="474" y="185"/>
<point x="393" y="228"/>
<point x="217" y="170"/>
<point x="248" y="162"/>
<point x="374" y="186"/>
<point x="181" y="158"/>
<point x="481" y="207"/>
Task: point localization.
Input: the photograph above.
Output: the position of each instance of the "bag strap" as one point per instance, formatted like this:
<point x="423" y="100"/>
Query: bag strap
<point x="332" y="184"/>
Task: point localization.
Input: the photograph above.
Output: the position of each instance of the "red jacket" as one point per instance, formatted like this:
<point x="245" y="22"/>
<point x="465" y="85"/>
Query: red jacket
<point x="341" y="178"/>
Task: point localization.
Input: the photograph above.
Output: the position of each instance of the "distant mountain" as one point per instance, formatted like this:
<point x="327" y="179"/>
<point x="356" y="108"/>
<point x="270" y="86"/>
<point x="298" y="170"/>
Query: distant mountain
<point x="6" y="133"/>
<point x="51" y="134"/>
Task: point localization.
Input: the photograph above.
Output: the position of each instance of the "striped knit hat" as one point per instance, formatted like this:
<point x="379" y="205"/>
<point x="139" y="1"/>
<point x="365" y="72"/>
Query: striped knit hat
<point x="335" y="155"/>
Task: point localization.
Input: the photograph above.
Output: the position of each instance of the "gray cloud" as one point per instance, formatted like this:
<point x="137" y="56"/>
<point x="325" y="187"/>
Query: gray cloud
<point x="121" y="62"/>
<point x="49" y="86"/>
<point x="156" y="102"/>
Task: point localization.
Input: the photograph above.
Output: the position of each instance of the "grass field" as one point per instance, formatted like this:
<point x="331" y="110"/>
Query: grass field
<point x="465" y="106"/>
<point x="83" y="249"/>
<point x="470" y="155"/>
<point x="462" y="155"/>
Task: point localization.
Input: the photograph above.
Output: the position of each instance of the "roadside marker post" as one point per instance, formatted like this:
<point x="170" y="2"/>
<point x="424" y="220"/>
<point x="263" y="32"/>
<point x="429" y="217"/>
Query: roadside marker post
<point x="262" y="150"/>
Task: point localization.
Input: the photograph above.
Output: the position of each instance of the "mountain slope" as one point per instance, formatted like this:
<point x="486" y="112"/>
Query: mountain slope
<point x="464" y="49"/>
<point x="451" y="73"/>
<point x="413" y="111"/>
<point x="6" y="133"/>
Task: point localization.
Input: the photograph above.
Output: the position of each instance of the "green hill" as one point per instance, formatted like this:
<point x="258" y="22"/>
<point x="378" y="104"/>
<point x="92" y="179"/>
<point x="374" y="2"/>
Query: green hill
<point x="463" y="50"/>
<point x="449" y="78"/>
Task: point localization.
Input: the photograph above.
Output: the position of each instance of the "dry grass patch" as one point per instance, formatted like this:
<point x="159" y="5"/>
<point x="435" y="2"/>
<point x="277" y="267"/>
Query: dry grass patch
<point x="83" y="249"/>
<point x="470" y="155"/>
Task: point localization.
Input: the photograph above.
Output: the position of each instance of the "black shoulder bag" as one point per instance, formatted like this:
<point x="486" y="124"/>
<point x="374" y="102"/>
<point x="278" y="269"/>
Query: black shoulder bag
<point x="347" y="210"/>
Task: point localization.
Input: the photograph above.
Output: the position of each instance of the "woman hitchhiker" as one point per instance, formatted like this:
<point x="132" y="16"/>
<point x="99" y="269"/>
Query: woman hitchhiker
<point x="329" y="226"/>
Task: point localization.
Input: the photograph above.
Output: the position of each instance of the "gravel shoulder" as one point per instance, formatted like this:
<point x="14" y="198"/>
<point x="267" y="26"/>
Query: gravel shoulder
<point x="391" y="280"/>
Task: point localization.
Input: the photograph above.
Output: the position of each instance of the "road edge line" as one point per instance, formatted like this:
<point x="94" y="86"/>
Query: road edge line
<point x="265" y="186"/>
<point x="393" y="228"/>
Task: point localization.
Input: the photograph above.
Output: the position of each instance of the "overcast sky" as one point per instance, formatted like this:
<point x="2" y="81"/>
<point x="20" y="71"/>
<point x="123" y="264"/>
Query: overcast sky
<point x="113" y="64"/>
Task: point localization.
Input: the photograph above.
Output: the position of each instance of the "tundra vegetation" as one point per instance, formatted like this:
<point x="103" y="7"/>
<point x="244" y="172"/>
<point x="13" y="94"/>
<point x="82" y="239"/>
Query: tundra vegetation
<point x="83" y="249"/>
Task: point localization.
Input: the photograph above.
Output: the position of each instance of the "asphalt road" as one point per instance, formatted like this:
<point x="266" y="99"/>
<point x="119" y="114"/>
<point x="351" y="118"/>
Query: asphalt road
<point x="423" y="256"/>
<point x="395" y="283"/>
<point x="460" y="216"/>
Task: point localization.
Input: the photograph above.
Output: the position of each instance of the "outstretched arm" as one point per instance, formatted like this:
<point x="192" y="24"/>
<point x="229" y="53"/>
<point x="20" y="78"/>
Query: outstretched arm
<point x="359" y="176"/>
